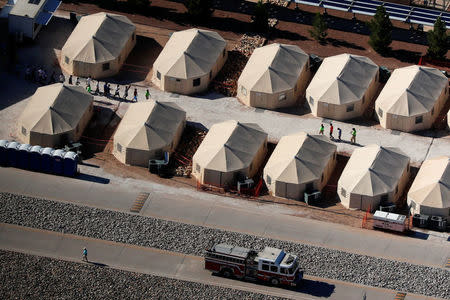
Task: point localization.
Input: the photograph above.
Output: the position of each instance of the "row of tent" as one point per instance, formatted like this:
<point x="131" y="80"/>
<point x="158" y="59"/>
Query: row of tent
<point x="37" y="158"/>
<point x="276" y="75"/>
<point x="230" y="151"/>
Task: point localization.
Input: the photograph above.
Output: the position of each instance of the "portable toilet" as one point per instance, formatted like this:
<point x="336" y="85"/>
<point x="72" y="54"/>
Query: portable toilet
<point x="23" y="156"/>
<point x="12" y="152"/>
<point x="3" y="157"/>
<point x="70" y="164"/>
<point x="58" y="161"/>
<point x="35" y="158"/>
<point x="46" y="160"/>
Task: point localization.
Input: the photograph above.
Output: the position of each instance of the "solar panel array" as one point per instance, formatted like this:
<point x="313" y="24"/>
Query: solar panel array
<point x="397" y="12"/>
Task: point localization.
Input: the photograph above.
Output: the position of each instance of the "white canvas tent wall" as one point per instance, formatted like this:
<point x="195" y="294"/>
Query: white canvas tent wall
<point x="229" y="150"/>
<point x="189" y="61"/>
<point x="430" y="191"/>
<point x="342" y="87"/>
<point x="147" y="130"/>
<point x="275" y="76"/>
<point x="299" y="162"/>
<point x="55" y="115"/>
<point x="373" y="175"/>
<point x="412" y="98"/>
<point x="99" y="45"/>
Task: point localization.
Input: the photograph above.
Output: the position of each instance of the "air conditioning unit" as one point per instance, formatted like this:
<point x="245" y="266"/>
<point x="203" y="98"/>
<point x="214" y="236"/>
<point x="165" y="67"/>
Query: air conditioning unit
<point x="312" y="197"/>
<point x="246" y="184"/>
<point x="388" y="207"/>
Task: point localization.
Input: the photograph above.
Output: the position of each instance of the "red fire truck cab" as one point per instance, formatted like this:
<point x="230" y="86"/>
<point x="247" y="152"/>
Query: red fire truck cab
<point x="271" y="264"/>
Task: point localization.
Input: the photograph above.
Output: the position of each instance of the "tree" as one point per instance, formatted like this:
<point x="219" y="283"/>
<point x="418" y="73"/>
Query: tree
<point x="437" y="40"/>
<point x="261" y="17"/>
<point x="319" y="30"/>
<point x="380" y="31"/>
<point x="198" y="10"/>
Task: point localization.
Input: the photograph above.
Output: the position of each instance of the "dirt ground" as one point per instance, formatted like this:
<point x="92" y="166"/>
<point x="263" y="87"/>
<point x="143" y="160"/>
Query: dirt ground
<point x="343" y="37"/>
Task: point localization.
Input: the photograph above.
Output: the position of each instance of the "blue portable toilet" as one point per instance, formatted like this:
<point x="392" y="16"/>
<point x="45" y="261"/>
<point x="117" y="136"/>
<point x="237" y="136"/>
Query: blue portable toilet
<point x="58" y="161"/>
<point x="47" y="159"/>
<point x="12" y="153"/>
<point x="23" y="156"/>
<point x="35" y="158"/>
<point x="3" y="156"/>
<point x="70" y="164"/>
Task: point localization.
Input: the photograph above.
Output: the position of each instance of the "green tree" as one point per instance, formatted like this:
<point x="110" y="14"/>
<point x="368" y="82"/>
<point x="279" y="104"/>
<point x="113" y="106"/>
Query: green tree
<point x="198" y="10"/>
<point x="437" y="40"/>
<point x="319" y="30"/>
<point x="380" y="31"/>
<point x="261" y="17"/>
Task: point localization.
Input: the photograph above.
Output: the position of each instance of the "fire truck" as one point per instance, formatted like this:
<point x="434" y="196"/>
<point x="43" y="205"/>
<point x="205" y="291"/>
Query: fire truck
<point x="271" y="264"/>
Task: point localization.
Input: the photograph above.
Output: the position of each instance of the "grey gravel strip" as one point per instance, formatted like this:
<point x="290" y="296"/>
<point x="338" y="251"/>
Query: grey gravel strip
<point x="192" y="239"/>
<point x="33" y="277"/>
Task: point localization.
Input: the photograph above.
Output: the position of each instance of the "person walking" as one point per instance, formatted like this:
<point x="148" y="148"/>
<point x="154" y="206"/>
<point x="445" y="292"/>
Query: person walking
<point x="62" y="78"/>
<point x="88" y="81"/>
<point x="85" y="255"/>
<point x="339" y="134"/>
<point x="97" y="88"/>
<point x="322" y="128"/>
<point x="135" y="94"/>
<point x="125" y="95"/>
<point x="105" y="88"/>
<point x="331" y="131"/>
<point x="77" y="81"/>
<point x="88" y="89"/>
<point x="70" y="79"/>
<point x="147" y="94"/>
<point x="353" y="138"/>
<point x="117" y="93"/>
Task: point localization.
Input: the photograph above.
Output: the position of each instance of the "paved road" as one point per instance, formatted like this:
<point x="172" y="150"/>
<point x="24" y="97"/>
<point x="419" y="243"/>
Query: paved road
<point x="266" y="220"/>
<point x="169" y="264"/>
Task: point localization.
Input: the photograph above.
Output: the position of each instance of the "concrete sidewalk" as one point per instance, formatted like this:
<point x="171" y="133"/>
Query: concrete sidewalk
<point x="189" y="206"/>
<point x="168" y="264"/>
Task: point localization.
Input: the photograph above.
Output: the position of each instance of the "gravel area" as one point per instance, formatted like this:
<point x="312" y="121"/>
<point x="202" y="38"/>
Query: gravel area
<point x="192" y="239"/>
<point x="34" y="277"/>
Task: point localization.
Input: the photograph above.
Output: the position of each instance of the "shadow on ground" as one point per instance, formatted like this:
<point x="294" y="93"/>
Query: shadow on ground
<point x="92" y="178"/>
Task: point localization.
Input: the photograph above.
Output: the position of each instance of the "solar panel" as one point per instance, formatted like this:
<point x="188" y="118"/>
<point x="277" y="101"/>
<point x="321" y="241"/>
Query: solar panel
<point x="398" y="12"/>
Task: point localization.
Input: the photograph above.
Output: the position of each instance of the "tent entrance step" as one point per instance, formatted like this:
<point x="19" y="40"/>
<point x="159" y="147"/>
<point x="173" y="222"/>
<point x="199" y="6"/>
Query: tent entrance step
<point x="139" y="202"/>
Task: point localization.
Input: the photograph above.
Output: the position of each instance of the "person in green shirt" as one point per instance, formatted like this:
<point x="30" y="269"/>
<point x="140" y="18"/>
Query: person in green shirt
<point x="322" y="128"/>
<point x="353" y="138"/>
<point x="147" y="94"/>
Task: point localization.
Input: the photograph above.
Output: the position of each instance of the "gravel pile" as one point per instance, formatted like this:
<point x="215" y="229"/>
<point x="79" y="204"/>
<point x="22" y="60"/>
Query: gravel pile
<point x="192" y="239"/>
<point x="33" y="277"/>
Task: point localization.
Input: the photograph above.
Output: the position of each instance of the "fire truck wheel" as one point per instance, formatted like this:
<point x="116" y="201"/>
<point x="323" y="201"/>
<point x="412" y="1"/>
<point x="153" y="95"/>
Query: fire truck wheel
<point x="274" y="281"/>
<point x="227" y="273"/>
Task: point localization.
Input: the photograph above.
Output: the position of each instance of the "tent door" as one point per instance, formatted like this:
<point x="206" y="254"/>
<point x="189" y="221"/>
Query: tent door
<point x="366" y="203"/>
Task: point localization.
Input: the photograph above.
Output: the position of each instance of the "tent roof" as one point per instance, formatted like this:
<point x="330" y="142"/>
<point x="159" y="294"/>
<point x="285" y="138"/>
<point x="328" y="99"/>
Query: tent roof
<point x="300" y="158"/>
<point x="98" y="38"/>
<point x="373" y="170"/>
<point x="55" y="108"/>
<point x="190" y="53"/>
<point x="273" y="68"/>
<point x="432" y="184"/>
<point x="412" y="91"/>
<point x="342" y="79"/>
<point x="230" y="146"/>
<point x="149" y="125"/>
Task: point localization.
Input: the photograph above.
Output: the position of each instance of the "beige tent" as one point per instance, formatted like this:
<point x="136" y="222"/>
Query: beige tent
<point x="373" y="175"/>
<point x="412" y="98"/>
<point x="98" y="46"/>
<point x="300" y="162"/>
<point x="230" y="150"/>
<point x="188" y="62"/>
<point x="275" y="76"/>
<point x="55" y="115"/>
<point x="430" y="191"/>
<point x="343" y="87"/>
<point x="147" y="130"/>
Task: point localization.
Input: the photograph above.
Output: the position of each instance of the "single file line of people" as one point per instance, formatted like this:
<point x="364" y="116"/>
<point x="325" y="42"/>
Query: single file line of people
<point x="339" y="130"/>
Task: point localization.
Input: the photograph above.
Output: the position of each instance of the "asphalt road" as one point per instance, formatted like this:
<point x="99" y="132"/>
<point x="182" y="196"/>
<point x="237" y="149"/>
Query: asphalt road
<point x="266" y="220"/>
<point x="170" y="264"/>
